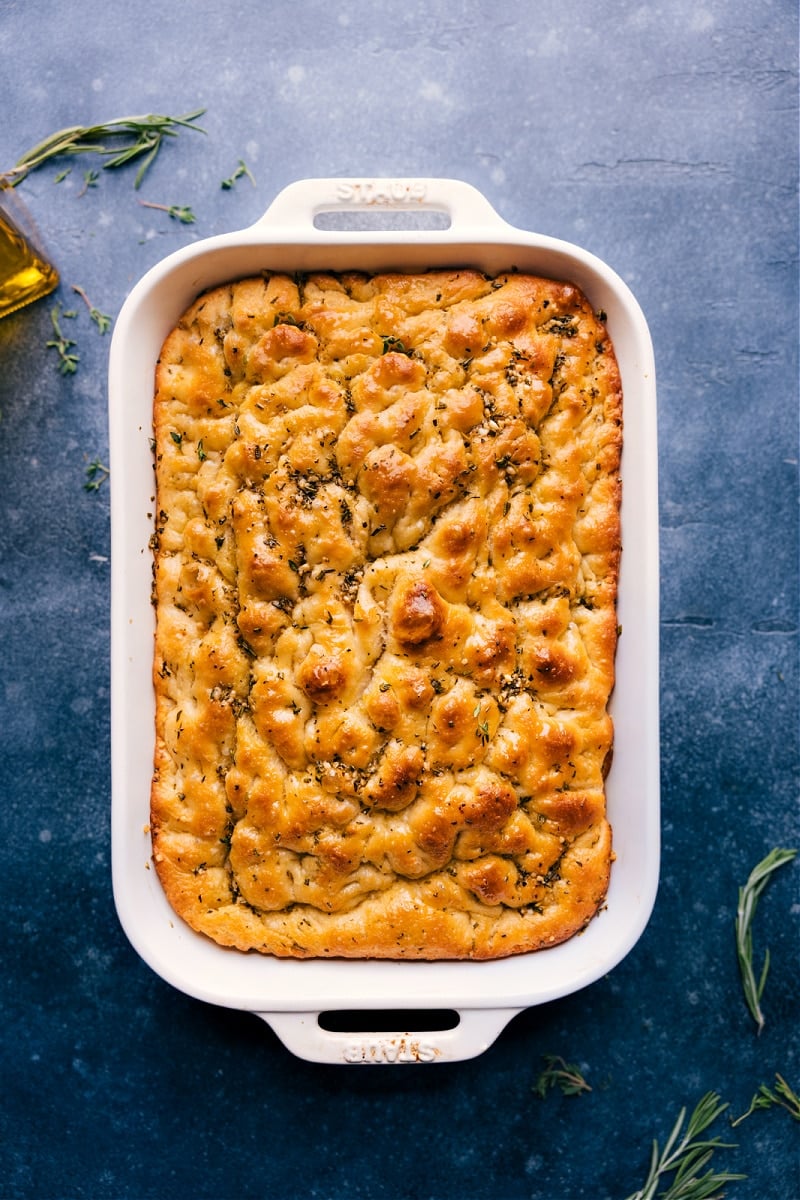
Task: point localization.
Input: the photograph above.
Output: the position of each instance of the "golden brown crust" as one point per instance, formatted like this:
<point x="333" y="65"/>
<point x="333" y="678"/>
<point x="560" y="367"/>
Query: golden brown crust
<point x="386" y="559"/>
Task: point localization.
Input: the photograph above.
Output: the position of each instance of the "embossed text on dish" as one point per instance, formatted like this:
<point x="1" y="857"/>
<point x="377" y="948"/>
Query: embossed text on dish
<point x="384" y="191"/>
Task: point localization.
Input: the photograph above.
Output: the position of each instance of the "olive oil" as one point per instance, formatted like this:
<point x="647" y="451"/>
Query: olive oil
<point x="25" y="274"/>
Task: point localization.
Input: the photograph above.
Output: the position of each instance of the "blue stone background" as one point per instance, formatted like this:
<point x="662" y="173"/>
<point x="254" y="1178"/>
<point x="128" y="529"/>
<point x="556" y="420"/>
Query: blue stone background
<point x="663" y="138"/>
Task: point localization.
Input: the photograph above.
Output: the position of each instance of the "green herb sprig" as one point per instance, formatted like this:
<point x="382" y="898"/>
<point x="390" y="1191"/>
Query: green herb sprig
<point x="559" y="1074"/>
<point x="685" y="1157"/>
<point x="119" y="141"/>
<point x="781" y="1096"/>
<point x="90" y="180"/>
<point x="96" y="475"/>
<point x="178" y="212"/>
<point x="241" y="170"/>
<point x="102" y="320"/>
<point x="749" y="896"/>
<point x="68" y="358"/>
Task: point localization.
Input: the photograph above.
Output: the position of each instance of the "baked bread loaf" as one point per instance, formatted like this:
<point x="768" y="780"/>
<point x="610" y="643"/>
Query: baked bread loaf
<point x="386" y="557"/>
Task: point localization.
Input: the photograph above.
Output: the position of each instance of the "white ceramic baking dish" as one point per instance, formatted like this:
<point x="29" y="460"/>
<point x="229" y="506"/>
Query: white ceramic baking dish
<point x="294" y="997"/>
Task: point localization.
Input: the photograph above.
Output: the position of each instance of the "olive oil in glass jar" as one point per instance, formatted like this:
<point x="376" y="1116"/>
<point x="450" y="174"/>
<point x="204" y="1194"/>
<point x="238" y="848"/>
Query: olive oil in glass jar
<point x="25" y="272"/>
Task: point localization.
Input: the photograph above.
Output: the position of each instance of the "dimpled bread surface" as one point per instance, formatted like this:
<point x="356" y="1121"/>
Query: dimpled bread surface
<point x="385" y="574"/>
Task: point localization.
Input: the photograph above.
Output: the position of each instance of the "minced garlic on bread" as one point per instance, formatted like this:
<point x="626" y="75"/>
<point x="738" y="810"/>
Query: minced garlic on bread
<point x="386" y="556"/>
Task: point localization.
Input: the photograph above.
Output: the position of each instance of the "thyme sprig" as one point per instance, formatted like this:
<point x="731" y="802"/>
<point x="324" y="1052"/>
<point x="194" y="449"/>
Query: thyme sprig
<point x="565" y="1076"/>
<point x="68" y="359"/>
<point x="749" y="896"/>
<point x="686" y="1155"/>
<point x="178" y="212"/>
<point x="96" y="475"/>
<point x="239" y="172"/>
<point x="781" y="1095"/>
<point x="102" y="320"/>
<point x="119" y="141"/>
<point x="90" y="180"/>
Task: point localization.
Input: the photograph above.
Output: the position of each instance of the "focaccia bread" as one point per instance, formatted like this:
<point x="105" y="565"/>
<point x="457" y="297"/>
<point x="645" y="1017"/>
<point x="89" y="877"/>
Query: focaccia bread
<point x="386" y="558"/>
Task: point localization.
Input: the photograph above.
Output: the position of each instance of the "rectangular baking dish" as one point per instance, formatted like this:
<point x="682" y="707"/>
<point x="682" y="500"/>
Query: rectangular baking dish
<point x="293" y="996"/>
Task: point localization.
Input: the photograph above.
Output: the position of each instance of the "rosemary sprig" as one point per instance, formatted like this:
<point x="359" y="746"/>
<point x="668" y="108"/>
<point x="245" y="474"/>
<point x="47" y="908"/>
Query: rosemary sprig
<point x="686" y="1155"/>
<point x="68" y="359"/>
<point x="241" y="170"/>
<point x="565" y="1076"/>
<point x="178" y="212"/>
<point x="102" y="320"/>
<point x="749" y="896"/>
<point x="119" y="141"/>
<point x="781" y="1095"/>
<point x="96" y="475"/>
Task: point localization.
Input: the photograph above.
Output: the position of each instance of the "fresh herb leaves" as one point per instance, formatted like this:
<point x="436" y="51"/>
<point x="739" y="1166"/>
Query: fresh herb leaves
<point x="559" y="1074"/>
<point x="749" y="896"/>
<point x="102" y="320"/>
<point x="685" y="1157"/>
<point x="178" y="212"/>
<point x="68" y="359"/>
<point x="96" y="475"/>
<point x="240" y="171"/>
<point x="119" y="141"/>
<point x="781" y="1096"/>
<point x="90" y="180"/>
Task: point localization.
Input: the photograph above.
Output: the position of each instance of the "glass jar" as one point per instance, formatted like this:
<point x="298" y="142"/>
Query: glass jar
<point x="26" y="274"/>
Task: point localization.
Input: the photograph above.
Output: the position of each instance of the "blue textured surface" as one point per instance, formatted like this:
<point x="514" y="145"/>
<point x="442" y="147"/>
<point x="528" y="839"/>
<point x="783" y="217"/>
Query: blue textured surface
<point x="664" y="139"/>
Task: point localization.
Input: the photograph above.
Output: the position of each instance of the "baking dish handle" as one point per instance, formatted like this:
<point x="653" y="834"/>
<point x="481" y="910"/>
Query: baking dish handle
<point x="298" y="205"/>
<point x="475" y="1031"/>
